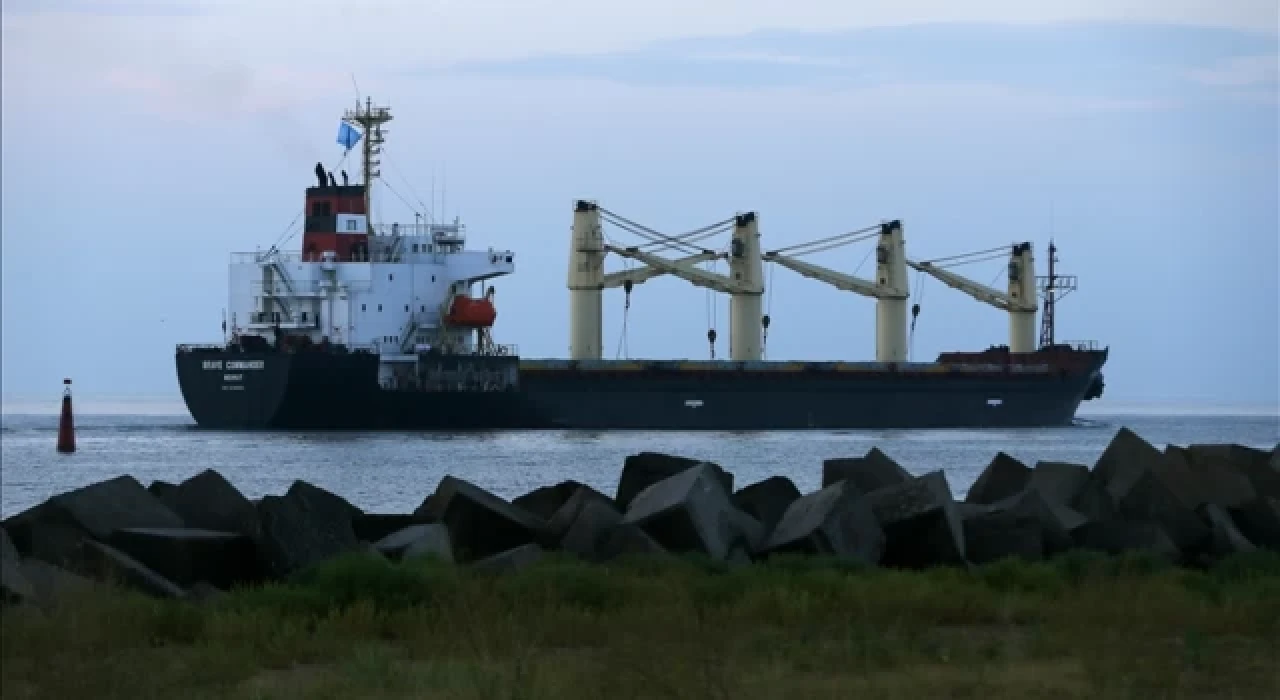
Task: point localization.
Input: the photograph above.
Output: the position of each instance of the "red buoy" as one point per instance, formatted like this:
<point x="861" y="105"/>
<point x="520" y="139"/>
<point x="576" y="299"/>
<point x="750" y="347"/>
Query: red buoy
<point x="66" y="426"/>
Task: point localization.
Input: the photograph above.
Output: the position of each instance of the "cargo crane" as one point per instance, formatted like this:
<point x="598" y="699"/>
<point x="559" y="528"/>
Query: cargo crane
<point x="889" y="288"/>
<point x="1019" y="301"/>
<point x="587" y="279"/>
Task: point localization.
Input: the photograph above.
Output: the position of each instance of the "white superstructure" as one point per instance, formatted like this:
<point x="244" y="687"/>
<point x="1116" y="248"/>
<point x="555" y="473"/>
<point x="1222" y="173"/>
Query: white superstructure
<point x="396" y="298"/>
<point x="394" y="289"/>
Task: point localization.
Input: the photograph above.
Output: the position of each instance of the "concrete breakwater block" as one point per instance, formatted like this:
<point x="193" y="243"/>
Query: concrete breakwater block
<point x="1260" y="467"/>
<point x="592" y="525"/>
<point x="430" y="540"/>
<point x="767" y="500"/>
<point x="691" y="512"/>
<point x="480" y="524"/>
<point x="871" y="471"/>
<point x="546" y="500"/>
<point x="1191" y="505"/>
<point x="626" y="540"/>
<point x="1226" y="537"/>
<point x="187" y="556"/>
<point x="207" y="501"/>
<point x="642" y="470"/>
<point x="372" y="527"/>
<point x="1259" y="521"/>
<point x="995" y="535"/>
<point x="1056" y="522"/>
<point x="511" y="560"/>
<point x="1003" y="477"/>
<point x="835" y="521"/>
<point x="97" y="509"/>
<point x="14" y="586"/>
<point x="1120" y="536"/>
<point x="921" y="524"/>
<point x="1059" y="482"/>
<point x="300" y="529"/>
<point x="1215" y="484"/>
<point x="560" y="521"/>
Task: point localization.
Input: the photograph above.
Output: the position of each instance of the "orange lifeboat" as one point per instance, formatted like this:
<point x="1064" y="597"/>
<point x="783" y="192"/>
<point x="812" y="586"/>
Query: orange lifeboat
<point x="466" y="312"/>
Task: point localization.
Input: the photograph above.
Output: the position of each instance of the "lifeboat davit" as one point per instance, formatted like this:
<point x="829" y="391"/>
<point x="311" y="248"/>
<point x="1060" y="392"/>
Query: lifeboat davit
<point x="466" y="312"/>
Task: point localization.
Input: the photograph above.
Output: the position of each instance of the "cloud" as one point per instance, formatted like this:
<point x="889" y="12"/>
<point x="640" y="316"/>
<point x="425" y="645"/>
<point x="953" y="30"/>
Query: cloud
<point x="122" y="8"/>
<point x="1241" y="71"/>
<point x="1113" y="63"/>
<point x="183" y="57"/>
<point x="210" y="93"/>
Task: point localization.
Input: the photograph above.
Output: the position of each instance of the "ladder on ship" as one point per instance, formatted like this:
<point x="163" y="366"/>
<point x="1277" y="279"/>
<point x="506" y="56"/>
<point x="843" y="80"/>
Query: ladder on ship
<point x="276" y="272"/>
<point x="407" y="333"/>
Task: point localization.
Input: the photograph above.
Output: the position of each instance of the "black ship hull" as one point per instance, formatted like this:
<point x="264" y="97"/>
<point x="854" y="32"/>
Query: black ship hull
<point x="236" y="390"/>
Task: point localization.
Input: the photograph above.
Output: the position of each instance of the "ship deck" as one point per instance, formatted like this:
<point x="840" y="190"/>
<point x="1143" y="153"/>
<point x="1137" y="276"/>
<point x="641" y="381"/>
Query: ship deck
<point x="549" y="366"/>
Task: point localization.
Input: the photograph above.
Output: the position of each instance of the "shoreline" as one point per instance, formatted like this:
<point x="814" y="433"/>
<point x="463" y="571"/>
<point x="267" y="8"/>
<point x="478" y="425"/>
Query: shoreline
<point x="1151" y="573"/>
<point x="1084" y="626"/>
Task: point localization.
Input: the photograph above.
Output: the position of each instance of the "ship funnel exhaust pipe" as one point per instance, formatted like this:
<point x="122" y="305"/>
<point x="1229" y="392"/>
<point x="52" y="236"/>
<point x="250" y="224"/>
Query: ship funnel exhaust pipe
<point x="66" y="424"/>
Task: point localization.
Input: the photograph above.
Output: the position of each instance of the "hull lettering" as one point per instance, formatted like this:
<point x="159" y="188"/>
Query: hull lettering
<point x="219" y="365"/>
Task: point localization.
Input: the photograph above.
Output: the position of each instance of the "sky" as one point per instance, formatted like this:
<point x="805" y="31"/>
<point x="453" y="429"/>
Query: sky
<point x="144" y="141"/>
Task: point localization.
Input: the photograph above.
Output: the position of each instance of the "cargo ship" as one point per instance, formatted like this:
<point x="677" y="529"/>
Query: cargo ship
<point x="375" y="326"/>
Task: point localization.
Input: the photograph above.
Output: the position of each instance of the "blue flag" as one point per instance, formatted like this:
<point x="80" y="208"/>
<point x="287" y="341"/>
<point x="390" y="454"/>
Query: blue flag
<point x="348" y="136"/>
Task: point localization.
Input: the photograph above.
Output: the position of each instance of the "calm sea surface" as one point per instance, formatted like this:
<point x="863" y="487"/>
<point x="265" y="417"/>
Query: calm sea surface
<point x="393" y="472"/>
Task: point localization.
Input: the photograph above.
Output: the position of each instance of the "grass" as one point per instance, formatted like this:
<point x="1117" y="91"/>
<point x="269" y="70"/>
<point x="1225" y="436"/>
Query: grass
<point x="1082" y="626"/>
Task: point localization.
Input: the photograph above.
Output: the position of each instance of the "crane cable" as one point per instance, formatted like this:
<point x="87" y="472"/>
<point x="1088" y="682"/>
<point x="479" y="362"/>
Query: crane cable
<point x="626" y="311"/>
<point x="915" y="313"/>
<point x="711" y="313"/>
<point x="768" y="312"/>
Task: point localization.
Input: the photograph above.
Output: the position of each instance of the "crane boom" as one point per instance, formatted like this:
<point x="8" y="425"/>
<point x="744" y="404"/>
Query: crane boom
<point x="644" y="274"/>
<point x="978" y="291"/>
<point x="839" y="280"/>
<point x="1019" y="301"/>
<point x="686" y="271"/>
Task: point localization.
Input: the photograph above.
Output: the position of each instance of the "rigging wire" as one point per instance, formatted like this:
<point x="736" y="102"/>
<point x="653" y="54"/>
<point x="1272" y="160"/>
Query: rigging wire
<point x="657" y="246"/>
<point x="935" y="261"/>
<point x="829" y="242"/>
<point x="644" y="234"/>
<point x="398" y="195"/>
<point x="655" y="237"/>
<point x="426" y="211"/>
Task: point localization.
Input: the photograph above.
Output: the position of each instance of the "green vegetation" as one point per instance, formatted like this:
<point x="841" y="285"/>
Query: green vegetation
<point x="1082" y="626"/>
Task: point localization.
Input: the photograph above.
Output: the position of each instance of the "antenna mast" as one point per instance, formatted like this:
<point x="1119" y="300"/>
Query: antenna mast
<point x="1052" y="288"/>
<point x="370" y="121"/>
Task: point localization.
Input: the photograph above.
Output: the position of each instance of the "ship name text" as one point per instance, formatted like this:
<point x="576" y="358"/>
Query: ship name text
<point x="219" y="365"/>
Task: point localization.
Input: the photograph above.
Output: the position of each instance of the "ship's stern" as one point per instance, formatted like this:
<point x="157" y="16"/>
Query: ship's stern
<point x="232" y="390"/>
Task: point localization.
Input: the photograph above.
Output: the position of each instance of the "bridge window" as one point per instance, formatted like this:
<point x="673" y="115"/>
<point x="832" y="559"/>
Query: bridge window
<point x="362" y="308"/>
<point x="379" y="307"/>
<point x="390" y="277"/>
<point x="351" y="225"/>
<point x="406" y="307"/>
<point x="415" y="247"/>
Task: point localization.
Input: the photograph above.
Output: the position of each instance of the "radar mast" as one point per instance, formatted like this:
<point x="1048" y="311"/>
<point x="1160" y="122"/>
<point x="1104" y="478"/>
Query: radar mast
<point x="370" y="120"/>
